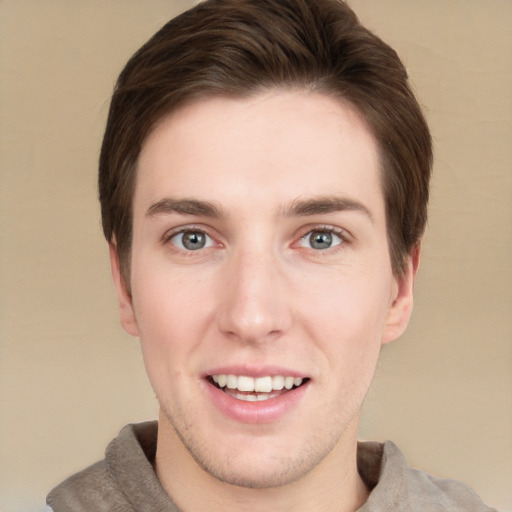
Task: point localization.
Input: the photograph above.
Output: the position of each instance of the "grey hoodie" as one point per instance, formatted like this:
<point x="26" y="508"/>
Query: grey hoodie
<point x="126" y="482"/>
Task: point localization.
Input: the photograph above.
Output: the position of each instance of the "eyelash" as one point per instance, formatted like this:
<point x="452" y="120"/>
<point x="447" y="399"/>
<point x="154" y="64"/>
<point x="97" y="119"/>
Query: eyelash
<point x="168" y="236"/>
<point x="342" y="234"/>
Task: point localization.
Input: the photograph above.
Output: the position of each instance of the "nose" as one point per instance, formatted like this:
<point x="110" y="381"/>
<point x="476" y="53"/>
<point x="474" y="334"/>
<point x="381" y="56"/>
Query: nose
<point x="254" y="305"/>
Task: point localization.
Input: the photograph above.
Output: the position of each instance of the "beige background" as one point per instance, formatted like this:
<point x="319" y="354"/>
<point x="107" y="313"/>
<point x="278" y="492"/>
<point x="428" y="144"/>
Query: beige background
<point x="70" y="378"/>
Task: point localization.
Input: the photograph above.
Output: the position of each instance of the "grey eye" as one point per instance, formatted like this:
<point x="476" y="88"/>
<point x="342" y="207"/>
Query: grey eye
<point x="320" y="240"/>
<point x="191" y="240"/>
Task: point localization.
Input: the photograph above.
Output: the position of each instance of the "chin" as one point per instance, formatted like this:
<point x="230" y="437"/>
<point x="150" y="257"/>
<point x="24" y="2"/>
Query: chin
<point x="261" y="474"/>
<point x="260" y="464"/>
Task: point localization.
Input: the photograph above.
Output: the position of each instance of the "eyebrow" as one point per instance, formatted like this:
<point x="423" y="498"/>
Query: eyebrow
<point x="298" y="208"/>
<point x="186" y="207"/>
<point x="325" y="204"/>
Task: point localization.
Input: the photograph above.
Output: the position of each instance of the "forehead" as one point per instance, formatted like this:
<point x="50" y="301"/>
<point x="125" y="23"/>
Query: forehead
<point x="274" y="147"/>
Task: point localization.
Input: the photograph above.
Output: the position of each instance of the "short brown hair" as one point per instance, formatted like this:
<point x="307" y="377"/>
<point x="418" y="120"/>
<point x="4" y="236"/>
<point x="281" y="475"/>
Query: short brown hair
<point x="240" y="47"/>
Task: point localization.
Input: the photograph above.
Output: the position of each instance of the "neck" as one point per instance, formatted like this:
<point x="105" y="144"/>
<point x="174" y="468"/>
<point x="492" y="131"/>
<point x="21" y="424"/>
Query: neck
<point x="333" y="485"/>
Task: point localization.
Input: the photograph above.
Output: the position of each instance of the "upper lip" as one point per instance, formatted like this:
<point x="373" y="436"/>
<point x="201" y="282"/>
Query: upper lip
<point x="255" y="372"/>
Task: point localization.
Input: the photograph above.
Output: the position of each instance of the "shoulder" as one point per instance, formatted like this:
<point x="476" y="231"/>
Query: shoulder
<point x="90" y="489"/>
<point x="402" y="488"/>
<point x="113" y="483"/>
<point x="448" y="495"/>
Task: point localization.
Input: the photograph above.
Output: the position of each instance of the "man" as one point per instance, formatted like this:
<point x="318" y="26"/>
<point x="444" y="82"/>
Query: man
<point x="263" y="182"/>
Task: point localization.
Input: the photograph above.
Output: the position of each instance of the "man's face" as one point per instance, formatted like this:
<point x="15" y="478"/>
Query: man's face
<point x="260" y="259"/>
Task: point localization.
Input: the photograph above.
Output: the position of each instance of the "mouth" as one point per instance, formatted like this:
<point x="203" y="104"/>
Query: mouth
<point x="256" y="389"/>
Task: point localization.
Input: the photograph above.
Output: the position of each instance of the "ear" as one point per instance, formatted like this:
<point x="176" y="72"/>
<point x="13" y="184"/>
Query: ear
<point x="124" y="297"/>
<point x="401" y="307"/>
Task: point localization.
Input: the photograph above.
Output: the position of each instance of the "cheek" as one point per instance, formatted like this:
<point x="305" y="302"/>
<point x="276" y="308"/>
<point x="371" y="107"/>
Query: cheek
<point x="347" y="320"/>
<point x="170" y="314"/>
<point x="166" y="300"/>
<point x="351" y="309"/>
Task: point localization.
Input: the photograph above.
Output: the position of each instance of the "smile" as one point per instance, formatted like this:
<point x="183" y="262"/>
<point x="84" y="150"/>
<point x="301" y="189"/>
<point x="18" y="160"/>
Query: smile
<point x="250" y="389"/>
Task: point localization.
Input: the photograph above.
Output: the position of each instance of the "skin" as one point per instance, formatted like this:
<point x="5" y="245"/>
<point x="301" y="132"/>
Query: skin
<point x="260" y="295"/>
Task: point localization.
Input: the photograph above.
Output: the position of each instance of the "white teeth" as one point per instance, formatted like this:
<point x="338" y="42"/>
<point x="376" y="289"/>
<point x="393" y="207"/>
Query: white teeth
<point x="245" y="383"/>
<point x="278" y="382"/>
<point x="231" y="381"/>
<point x="247" y="398"/>
<point x="257" y="385"/>
<point x="263" y="384"/>
<point x="251" y="398"/>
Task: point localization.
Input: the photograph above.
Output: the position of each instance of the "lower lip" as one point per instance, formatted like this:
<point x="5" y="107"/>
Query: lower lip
<point x="265" y="411"/>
